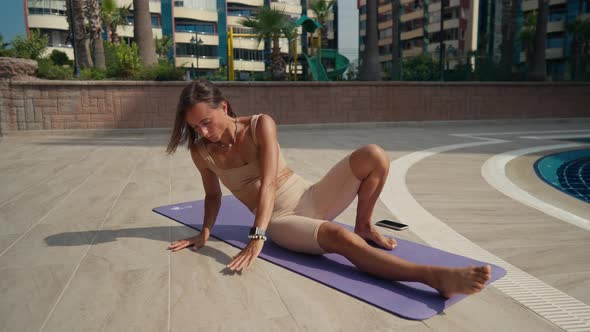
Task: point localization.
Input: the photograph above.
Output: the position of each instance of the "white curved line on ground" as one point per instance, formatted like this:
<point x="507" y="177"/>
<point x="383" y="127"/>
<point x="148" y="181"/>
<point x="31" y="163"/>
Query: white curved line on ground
<point x="550" y="303"/>
<point x="494" y="172"/>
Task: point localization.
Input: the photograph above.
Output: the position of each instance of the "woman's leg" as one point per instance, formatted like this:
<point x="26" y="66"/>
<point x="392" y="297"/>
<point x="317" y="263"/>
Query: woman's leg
<point x="334" y="238"/>
<point x="370" y="164"/>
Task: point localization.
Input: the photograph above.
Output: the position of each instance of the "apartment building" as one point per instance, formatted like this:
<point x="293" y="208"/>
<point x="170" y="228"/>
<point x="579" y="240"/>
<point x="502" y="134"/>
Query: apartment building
<point x="199" y="29"/>
<point x="467" y="25"/>
<point x="420" y="30"/>
<point x="558" y="42"/>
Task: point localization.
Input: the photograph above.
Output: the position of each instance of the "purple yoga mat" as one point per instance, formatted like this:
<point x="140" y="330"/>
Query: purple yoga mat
<point x="410" y="300"/>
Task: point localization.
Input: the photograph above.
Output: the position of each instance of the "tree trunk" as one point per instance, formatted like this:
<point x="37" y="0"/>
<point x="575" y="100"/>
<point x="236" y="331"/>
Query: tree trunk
<point x="93" y="13"/>
<point x="371" y="69"/>
<point x="324" y="35"/>
<point x="81" y="37"/>
<point x="396" y="51"/>
<point x="277" y="65"/>
<point x="538" y="69"/>
<point x="142" y="32"/>
<point x="509" y="26"/>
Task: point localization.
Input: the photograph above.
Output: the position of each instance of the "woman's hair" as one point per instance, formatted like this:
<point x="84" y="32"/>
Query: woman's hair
<point x="195" y="92"/>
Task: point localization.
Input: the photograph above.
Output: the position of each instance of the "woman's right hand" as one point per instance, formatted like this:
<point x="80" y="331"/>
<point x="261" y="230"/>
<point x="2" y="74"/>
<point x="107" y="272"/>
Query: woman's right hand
<point x="194" y="242"/>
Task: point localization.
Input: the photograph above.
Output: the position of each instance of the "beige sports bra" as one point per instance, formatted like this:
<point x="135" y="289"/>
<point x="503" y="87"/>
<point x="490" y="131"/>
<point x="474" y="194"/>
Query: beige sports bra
<point x="244" y="180"/>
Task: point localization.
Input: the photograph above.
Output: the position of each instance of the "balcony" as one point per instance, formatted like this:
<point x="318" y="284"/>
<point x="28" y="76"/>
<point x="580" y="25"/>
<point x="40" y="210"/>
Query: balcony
<point x="384" y="8"/>
<point x="207" y="38"/>
<point x="384" y="25"/>
<point x="412" y="16"/>
<point x="555" y="26"/>
<point x="56" y="22"/>
<point x="253" y="3"/>
<point x="248" y="43"/>
<point x="127" y="31"/>
<point x="155" y="6"/>
<point x="204" y="62"/>
<point x="248" y="65"/>
<point x="288" y="8"/>
<point x="418" y="32"/>
<point x="196" y="14"/>
<point x="435" y="7"/>
<point x="412" y="52"/>
<point x="448" y="24"/>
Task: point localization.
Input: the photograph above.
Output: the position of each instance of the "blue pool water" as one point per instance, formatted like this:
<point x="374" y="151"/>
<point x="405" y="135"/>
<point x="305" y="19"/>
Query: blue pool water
<point x="567" y="171"/>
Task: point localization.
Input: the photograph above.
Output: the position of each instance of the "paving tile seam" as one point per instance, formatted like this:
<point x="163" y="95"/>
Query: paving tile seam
<point x="494" y="172"/>
<point x="126" y="182"/>
<point x="169" y="251"/>
<point x="274" y="286"/>
<point x="55" y="206"/>
<point x="438" y="234"/>
<point x="49" y="177"/>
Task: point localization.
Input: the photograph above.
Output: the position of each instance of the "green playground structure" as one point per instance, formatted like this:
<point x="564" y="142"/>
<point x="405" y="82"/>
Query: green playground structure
<point x="319" y="71"/>
<point x="316" y="66"/>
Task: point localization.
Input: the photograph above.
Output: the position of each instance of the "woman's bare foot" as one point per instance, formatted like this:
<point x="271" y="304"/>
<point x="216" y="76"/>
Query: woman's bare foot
<point x="372" y="234"/>
<point x="453" y="281"/>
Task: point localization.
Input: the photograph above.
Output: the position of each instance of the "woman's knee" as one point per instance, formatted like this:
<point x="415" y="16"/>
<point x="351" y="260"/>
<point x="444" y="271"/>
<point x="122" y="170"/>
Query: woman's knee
<point x="370" y="159"/>
<point x="334" y="238"/>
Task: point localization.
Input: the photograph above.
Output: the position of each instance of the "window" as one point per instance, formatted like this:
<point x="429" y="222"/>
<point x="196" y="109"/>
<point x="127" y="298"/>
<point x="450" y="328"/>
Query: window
<point x="450" y="34"/>
<point x="246" y="54"/>
<point x="194" y="26"/>
<point x="190" y="50"/>
<point x="56" y="38"/>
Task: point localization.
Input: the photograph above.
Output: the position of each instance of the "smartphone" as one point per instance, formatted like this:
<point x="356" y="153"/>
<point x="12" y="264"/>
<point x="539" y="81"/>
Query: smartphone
<point x="398" y="226"/>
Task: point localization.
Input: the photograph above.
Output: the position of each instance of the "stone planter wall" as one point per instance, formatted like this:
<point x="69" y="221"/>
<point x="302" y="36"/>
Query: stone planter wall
<point x="38" y="105"/>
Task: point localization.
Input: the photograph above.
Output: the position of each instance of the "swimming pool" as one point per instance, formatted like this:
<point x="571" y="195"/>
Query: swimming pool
<point x="567" y="171"/>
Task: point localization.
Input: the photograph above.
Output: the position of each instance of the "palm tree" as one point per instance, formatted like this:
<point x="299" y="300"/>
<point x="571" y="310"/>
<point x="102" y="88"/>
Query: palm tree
<point x="113" y="16"/>
<point x="322" y="10"/>
<point x="82" y="43"/>
<point x="580" y="31"/>
<point x="142" y="32"/>
<point x="94" y="17"/>
<point x="371" y="70"/>
<point x="271" y="23"/>
<point x="537" y="71"/>
<point x="509" y="26"/>
<point x="395" y="44"/>
<point x="527" y="36"/>
<point x="163" y="45"/>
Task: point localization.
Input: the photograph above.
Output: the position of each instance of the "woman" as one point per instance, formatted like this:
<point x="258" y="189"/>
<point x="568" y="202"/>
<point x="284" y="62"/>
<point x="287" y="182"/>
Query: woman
<point x="243" y="152"/>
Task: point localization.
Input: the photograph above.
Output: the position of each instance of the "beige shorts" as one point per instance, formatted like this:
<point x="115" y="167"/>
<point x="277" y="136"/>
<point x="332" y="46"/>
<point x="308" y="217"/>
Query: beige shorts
<point x="301" y="207"/>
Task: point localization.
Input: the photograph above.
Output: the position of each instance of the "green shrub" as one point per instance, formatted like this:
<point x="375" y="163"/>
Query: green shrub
<point x="59" y="58"/>
<point x="162" y="71"/>
<point x="219" y="75"/>
<point x="95" y="74"/>
<point x="122" y="60"/>
<point x="32" y="47"/>
<point x="50" y="71"/>
<point x="8" y="52"/>
<point x="420" y="68"/>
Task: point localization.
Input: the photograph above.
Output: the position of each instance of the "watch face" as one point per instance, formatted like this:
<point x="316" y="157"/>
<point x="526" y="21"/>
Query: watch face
<point x="252" y="230"/>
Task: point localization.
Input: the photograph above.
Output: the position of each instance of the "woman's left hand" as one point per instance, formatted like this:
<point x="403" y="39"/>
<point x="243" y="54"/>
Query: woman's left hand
<point x="246" y="257"/>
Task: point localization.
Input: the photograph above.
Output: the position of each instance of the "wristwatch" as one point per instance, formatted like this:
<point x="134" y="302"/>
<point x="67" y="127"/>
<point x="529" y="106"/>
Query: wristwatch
<point x="257" y="234"/>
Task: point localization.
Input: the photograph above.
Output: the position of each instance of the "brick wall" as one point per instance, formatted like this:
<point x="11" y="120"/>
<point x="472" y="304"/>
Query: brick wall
<point x="39" y="105"/>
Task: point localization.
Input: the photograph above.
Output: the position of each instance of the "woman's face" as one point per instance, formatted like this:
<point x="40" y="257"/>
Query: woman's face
<point x="207" y="121"/>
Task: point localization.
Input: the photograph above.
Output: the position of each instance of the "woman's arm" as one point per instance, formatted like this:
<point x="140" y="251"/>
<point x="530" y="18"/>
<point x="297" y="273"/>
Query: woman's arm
<point x="212" y="204"/>
<point x="266" y="132"/>
<point x="212" y="191"/>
